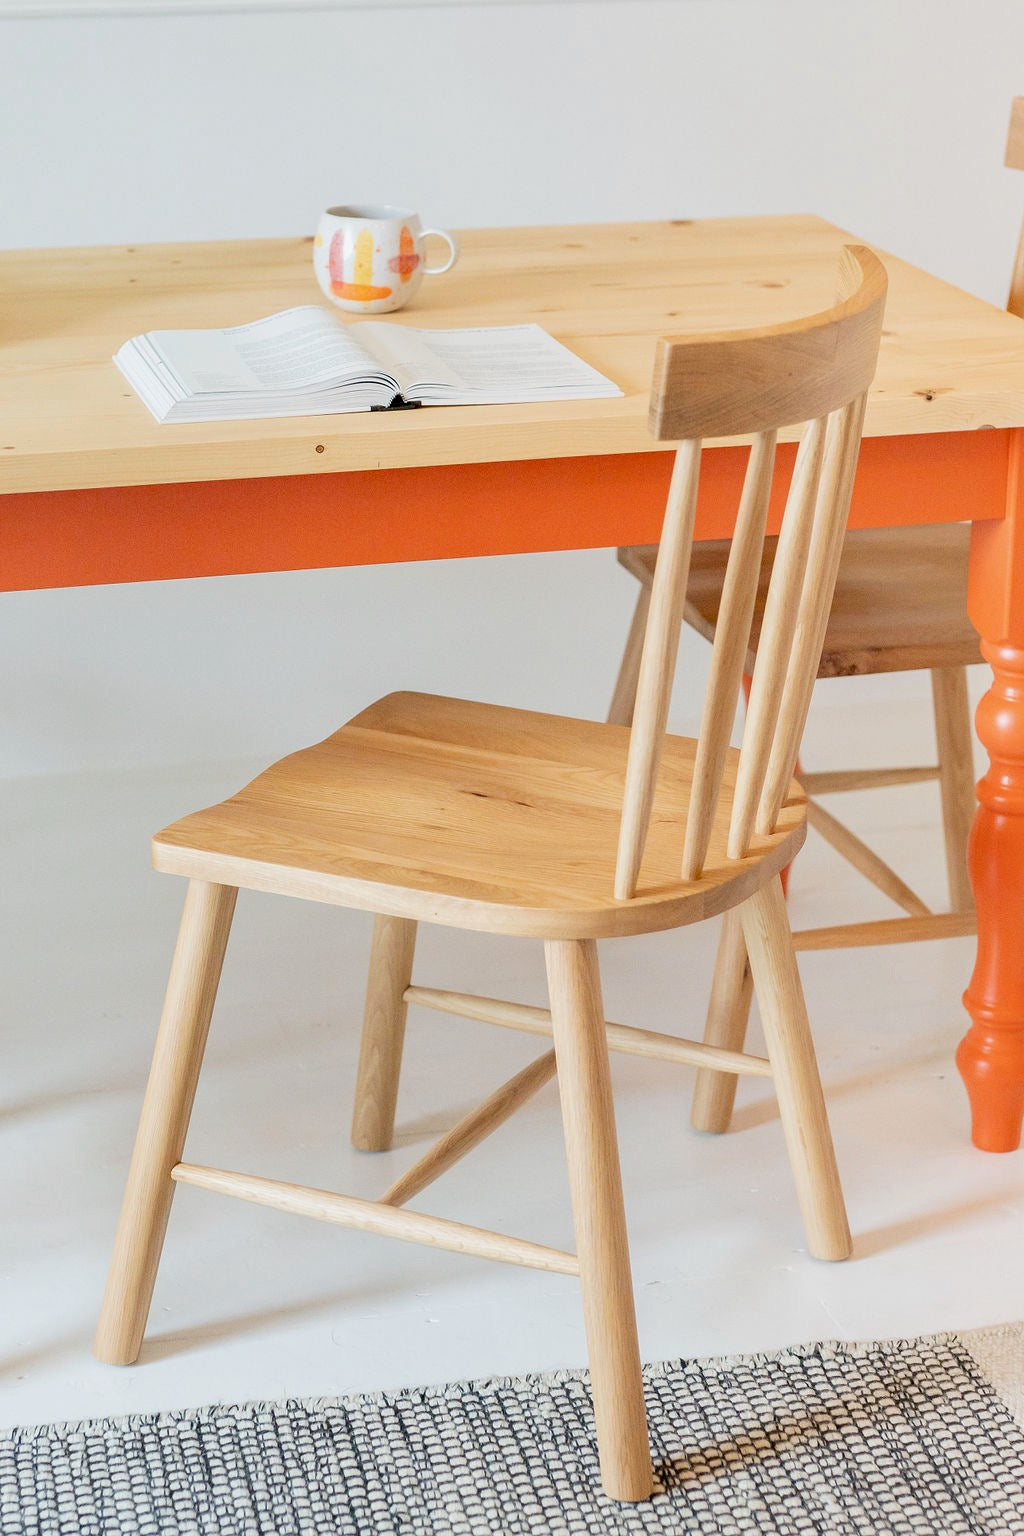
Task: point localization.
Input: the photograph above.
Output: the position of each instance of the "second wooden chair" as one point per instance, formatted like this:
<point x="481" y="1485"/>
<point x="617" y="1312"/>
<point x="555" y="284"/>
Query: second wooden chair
<point x="900" y="605"/>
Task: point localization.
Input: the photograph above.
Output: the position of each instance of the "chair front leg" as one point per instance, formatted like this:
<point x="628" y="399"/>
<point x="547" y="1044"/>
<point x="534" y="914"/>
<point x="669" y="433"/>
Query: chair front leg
<point x="166" y="1110"/>
<point x="584" y="1081"/>
<point x="380" y="1053"/>
<point x="714" y="1092"/>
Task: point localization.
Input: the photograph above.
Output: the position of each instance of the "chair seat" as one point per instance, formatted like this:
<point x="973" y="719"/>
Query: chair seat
<point x="900" y="601"/>
<point x="476" y="816"/>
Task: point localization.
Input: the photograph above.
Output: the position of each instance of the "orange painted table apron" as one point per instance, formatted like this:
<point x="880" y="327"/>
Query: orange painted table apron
<point x="93" y="491"/>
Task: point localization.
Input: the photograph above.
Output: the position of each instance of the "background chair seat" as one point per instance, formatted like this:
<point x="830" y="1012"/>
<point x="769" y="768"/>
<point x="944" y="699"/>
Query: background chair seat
<point x="490" y="818"/>
<point x="900" y="603"/>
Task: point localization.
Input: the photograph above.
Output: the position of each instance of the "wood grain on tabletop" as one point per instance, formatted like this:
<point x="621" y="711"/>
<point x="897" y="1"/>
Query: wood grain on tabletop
<point x="949" y="361"/>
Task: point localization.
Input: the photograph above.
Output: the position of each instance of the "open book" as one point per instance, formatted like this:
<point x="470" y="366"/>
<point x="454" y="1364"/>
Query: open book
<point x="305" y="362"/>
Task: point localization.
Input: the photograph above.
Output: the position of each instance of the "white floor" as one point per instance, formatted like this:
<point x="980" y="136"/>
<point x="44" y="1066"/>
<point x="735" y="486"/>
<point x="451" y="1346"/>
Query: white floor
<point x="253" y="1304"/>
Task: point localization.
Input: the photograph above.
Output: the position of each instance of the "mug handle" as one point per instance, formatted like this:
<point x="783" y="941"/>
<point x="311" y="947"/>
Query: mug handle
<point x="453" y="247"/>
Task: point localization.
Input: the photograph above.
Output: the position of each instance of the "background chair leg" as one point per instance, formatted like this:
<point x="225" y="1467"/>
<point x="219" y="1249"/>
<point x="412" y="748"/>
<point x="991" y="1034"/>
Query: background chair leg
<point x="714" y="1093"/>
<point x="956" y="776"/>
<point x="795" y="1071"/>
<point x="624" y="697"/>
<point x="584" y="1080"/>
<point x="166" y="1109"/>
<point x="380" y="1054"/>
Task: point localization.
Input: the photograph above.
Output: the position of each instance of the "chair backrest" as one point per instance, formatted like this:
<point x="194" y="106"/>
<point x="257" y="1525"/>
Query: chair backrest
<point x="740" y="383"/>
<point x="1015" y="160"/>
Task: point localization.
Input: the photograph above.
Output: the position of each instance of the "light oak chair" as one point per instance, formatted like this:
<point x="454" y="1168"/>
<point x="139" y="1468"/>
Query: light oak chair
<point x="493" y="819"/>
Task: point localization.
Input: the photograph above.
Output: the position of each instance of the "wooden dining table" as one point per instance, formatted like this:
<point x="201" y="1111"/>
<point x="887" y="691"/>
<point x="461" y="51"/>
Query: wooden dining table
<point x="93" y="490"/>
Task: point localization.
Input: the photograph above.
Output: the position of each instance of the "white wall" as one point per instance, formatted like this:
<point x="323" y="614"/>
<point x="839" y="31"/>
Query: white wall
<point x="888" y="117"/>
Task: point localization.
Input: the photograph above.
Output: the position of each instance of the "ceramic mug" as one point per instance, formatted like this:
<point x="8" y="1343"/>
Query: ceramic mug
<point x="371" y="259"/>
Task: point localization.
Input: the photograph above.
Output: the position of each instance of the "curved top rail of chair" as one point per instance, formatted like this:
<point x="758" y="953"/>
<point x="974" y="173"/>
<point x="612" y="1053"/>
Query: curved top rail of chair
<point x="732" y="383"/>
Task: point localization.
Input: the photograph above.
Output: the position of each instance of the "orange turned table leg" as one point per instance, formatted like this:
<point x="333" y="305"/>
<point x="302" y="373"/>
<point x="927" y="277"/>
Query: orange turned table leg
<point x="991" y="1055"/>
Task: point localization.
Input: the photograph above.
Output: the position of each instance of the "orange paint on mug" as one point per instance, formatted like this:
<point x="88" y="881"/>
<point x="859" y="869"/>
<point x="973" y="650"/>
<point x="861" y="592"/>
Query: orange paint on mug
<point x="406" y="262"/>
<point x="363" y="293"/>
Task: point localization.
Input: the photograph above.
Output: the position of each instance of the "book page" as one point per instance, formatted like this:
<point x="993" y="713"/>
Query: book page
<point x="408" y="357"/>
<point x="298" y="349"/>
<point x="484" y="364"/>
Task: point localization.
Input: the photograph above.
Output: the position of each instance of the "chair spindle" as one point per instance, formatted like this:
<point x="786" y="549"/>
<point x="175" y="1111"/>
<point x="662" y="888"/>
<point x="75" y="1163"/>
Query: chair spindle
<point x="842" y="445"/>
<point x="657" y="666"/>
<point x="777" y="631"/>
<point x="730" y="650"/>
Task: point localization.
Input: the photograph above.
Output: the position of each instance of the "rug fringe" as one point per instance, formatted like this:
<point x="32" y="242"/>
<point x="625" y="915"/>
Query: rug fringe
<point x="1009" y="1334"/>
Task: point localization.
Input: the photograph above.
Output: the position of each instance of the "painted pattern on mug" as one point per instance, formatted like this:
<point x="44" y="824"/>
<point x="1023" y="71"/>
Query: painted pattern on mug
<point x="362" y="288"/>
<point x="407" y="260"/>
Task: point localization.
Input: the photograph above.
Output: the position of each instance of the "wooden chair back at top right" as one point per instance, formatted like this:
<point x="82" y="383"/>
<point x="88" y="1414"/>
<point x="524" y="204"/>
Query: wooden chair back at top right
<point x="1015" y="160"/>
<point x="816" y="371"/>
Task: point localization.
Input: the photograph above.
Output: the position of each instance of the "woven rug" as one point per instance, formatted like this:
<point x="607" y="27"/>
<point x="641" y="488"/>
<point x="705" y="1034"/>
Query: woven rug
<point x="920" y="1437"/>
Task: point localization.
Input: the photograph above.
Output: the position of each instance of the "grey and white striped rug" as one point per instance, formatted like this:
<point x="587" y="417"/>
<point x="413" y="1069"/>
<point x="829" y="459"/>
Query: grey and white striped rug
<point x="921" y="1437"/>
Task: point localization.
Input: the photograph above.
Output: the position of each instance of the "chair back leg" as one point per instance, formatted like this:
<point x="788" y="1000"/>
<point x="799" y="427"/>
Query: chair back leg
<point x="380" y="1053"/>
<point x="956" y="776"/>
<point x="166" y="1110"/>
<point x="584" y="1080"/>
<point x="714" y="1092"/>
<point x="795" y="1072"/>
<point x="624" y="698"/>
